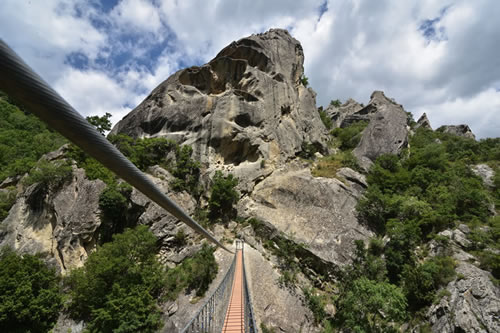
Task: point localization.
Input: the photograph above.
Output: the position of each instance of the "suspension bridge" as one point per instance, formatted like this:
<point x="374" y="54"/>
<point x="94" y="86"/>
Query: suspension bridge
<point x="229" y="308"/>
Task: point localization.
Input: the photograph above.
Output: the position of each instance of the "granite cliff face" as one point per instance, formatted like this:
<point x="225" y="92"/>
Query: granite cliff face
<point x="245" y="106"/>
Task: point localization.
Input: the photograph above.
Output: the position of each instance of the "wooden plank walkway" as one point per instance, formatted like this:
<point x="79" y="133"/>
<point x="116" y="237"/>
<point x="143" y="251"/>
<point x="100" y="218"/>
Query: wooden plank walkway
<point x="235" y="320"/>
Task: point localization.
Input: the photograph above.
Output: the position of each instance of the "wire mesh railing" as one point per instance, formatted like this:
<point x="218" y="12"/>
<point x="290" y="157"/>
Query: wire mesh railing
<point x="250" y="326"/>
<point x="210" y="317"/>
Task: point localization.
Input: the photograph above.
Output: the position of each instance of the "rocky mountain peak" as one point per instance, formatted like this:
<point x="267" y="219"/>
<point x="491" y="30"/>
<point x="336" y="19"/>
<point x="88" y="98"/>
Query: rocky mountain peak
<point x="423" y="122"/>
<point x="460" y="130"/>
<point x="245" y="106"/>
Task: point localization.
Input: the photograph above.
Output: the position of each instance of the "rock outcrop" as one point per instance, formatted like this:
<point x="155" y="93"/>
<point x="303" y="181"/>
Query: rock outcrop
<point x="61" y="224"/>
<point x="245" y="106"/>
<point x="460" y="130"/>
<point x="319" y="212"/>
<point x="472" y="303"/>
<point x="338" y="114"/>
<point x="423" y="122"/>
<point x="387" y="132"/>
<point x="486" y="173"/>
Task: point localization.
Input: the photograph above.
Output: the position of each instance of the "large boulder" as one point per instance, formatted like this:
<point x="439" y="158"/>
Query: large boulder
<point x="459" y="130"/>
<point x="387" y="132"/>
<point x="319" y="212"/>
<point x="60" y="224"/>
<point x="245" y="106"/>
<point x="338" y="114"/>
<point x="423" y="122"/>
<point x="473" y="303"/>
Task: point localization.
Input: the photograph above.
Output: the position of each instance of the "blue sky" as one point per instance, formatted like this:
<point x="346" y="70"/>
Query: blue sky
<point x="438" y="57"/>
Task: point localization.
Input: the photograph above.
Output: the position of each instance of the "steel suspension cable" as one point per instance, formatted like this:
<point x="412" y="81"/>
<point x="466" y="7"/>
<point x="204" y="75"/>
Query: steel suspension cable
<point x="19" y="81"/>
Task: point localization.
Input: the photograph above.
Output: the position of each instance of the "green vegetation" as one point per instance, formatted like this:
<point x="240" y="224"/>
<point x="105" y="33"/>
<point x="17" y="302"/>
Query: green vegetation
<point x="329" y="165"/>
<point x="102" y="124"/>
<point x="186" y="171"/>
<point x="327" y="121"/>
<point x="23" y="139"/>
<point x="50" y="175"/>
<point x="223" y="196"/>
<point x="371" y="306"/>
<point x="194" y="273"/>
<point x="116" y="290"/>
<point x="114" y="206"/>
<point x="307" y="151"/>
<point x="345" y="139"/>
<point x="7" y="199"/>
<point x="409" y="200"/>
<point x="30" y="299"/>
<point x="304" y="80"/>
<point x="349" y="137"/>
<point x="336" y="103"/>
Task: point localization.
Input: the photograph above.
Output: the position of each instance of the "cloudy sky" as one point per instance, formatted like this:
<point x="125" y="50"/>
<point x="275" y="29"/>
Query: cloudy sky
<point x="439" y="57"/>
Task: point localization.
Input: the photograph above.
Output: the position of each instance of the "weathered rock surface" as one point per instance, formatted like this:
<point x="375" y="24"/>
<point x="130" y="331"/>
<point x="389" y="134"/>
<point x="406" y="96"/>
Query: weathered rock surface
<point x="274" y="305"/>
<point x="423" y="122"/>
<point x="460" y="130"/>
<point x="59" y="224"/>
<point x="245" y="106"/>
<point x="387" y="132"/>
<point x="338" y="114"/>
<point x="319" y="212"/>
<point x="473" y="304"/>
<point x="486" y="173"/>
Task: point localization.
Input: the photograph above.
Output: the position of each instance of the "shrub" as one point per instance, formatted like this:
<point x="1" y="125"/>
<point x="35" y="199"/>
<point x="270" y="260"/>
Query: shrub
<point x="304" y="80"/>
<point x="113" y="203"/>
<point x="370" y="306"/>
<point x="195" y="273"/>
<point x="329" y="166"/>
<point x="117" y="288"/>
<point x="102" y="124"/>
<point x="186" y="171"/>
<point x="223" y="195"/>
<point x="7" y="199"/>
<point x="307" y="150"/>
<point x="23" y="139"/>
<point x="421" y="282"/>
<point x="50" y="175"/>
<point x="349" y="137"/>
<point x="336" y="103"/>
<point x="315" y="303"/>
<point x="30" y="299"/>
<point x="327" y="121"/>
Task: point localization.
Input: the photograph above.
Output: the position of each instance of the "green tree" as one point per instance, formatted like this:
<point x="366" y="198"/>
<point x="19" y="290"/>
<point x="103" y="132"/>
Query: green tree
<point x="223" y="195"/>
<point x="420" y="282"/>
<point x="102" y="124"/>
<point x="23" y="139"/>
<point x="304" y="80"/>
<point x="327" y="121"/>
<point x="30" y="299"/>
<point x="370" y="306"/>
<point x="114" y="203"/>
<point x="117" y="288"/>
<point x="186" y="171"/>
<point x="350" y="136"/>
<point x="336" y="103"/>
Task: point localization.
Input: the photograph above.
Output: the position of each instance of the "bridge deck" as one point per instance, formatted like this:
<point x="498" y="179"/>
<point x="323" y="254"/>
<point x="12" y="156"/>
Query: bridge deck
<point x="235" y="320"/>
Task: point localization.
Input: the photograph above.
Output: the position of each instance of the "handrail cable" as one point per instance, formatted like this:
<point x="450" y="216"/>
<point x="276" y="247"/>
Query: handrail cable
<point x="19" y="81"/>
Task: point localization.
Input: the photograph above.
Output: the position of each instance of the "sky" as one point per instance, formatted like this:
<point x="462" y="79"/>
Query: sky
<point x="439" y="57"/>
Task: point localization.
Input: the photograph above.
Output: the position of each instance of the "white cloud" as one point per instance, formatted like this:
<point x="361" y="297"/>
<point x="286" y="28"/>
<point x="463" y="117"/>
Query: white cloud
<point x="481" y="111"/>
<point x="141" y="15"/>
<point x="94" y="93"/>
<point x="356" y="47"/>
